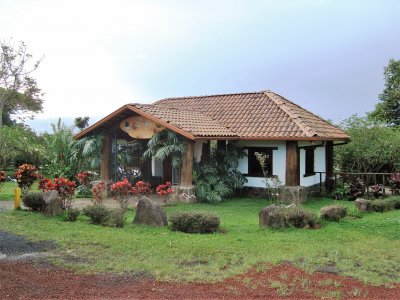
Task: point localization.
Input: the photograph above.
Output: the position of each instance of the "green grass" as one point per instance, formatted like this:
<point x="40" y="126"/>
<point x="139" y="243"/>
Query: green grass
<point x="366" y="248"/>
<point x="7" y="191"/>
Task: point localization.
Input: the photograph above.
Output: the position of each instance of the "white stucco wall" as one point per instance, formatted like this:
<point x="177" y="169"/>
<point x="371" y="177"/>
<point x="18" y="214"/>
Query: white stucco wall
<point x="198" y="147"/>
<point x="156" y="167"/>
<point x="319" y="164"/>
<point x="278" y="161"/>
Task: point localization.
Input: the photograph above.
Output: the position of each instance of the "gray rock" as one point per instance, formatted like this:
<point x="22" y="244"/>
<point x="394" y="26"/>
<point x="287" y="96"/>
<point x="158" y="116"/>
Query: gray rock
<point x="363" y="205"/>
<point x="272" y="216"/>
<point x="53" y="204"/>
<point x="293" y="195"/>
<point x="333" y="212"/>
<point x="150" y="213"/>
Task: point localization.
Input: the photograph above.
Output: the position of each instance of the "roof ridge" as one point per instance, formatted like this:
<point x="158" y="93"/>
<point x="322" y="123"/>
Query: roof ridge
<point x="310" y="112"/>
<point x="295" y="117"/>
<point x="207" y="96"/>
<point x="170" y="107"/>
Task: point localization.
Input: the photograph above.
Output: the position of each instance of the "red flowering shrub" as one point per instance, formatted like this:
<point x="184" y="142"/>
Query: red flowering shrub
<point x="45" y="184"/>
<point x="98" y="193"/>
<point x="86" y="177"/>
<point x="141" y="188"/>
<point x="64" y="187"/>
<point x="26" y="176"/>
<point x="3" y="178"/>
<point x="122" y="190"/>
<point x="395" y="183"/>
<point x="164" y="189"/>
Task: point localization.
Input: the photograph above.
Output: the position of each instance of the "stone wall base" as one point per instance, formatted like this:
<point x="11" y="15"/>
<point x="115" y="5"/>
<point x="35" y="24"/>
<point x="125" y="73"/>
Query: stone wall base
<point x="184" y="194"/>
<point x="293" y="194"/>
<point x="289" y="194"/>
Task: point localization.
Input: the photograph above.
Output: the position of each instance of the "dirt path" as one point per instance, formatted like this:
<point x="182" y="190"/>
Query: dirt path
<point x="30" y="281"/>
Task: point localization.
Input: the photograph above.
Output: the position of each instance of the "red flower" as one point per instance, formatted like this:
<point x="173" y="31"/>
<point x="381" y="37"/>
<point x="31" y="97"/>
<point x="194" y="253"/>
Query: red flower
<point x="164" y="189"/>
<point x="3" y="177"/>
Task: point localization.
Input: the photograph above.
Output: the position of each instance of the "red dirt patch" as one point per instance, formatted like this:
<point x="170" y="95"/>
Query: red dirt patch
<point x="29" y="281"/>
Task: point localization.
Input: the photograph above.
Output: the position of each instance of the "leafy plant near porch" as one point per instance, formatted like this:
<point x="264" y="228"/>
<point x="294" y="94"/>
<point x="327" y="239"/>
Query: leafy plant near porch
<point x="219" y="178"/>
<point x="273" y="186"/>
<point x="164" y="144"/>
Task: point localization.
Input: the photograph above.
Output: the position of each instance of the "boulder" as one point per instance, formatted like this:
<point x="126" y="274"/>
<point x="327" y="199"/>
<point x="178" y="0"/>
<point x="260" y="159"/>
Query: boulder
<point x="293" y="195"/>
<point x="363" y="205"/>
<point x="333" y="212"/>
<point x="150" y="213"/>
<point x="53" y="203"/>
<point x="272" y="216"/>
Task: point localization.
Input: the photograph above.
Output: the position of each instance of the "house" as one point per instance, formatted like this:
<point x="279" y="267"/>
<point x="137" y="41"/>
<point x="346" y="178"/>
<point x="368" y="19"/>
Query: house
<point x="299" y="144"/>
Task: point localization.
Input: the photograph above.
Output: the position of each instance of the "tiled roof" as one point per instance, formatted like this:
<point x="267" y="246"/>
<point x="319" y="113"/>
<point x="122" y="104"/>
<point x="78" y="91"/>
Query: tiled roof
<point x="260" y="115"/>
<point x="191" y="121"/>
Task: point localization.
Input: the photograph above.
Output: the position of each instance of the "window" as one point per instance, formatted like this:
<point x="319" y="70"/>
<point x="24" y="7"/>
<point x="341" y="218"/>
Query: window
<point x="254" y="168"/>
<point x="309" y="155"/>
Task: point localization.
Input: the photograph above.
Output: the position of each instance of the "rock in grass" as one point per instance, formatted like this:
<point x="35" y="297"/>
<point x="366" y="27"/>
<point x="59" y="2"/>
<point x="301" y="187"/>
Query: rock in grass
<point x="150" y="213"/>
<point x="363" y="205"/>
<point x="53" y="203"/>
<point x="333" y="212"/>
<point x="270" y="216"/>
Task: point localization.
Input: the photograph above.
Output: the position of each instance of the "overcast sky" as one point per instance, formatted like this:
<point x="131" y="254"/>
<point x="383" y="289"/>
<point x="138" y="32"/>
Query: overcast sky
<point x="327" y="56"/>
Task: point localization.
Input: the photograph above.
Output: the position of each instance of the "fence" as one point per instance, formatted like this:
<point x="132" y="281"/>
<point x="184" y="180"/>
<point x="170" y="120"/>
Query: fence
<point x="368" y="179"/>
<point x="379" y="180"/>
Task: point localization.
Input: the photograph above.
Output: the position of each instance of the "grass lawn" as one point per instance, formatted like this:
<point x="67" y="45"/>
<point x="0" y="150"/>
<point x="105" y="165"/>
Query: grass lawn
<point x="7" y="191"/>
<point x="366" y="248"/>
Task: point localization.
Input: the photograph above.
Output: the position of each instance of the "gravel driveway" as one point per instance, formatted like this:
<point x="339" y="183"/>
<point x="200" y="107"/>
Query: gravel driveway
<point x="16" y="247"/>
<point x="6" y="205"/>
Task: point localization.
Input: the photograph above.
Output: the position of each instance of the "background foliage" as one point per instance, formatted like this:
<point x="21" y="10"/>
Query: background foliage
<point x="374" y="147"/>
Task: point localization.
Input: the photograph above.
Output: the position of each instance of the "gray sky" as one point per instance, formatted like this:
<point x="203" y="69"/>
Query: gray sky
<point x="327" y="56"/>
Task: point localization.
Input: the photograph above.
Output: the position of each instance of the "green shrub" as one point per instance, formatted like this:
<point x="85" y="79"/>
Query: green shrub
<point x="34" y="201"/>
<point x="98" y="214"/>
<point x="299" y="218"/>
<point x="72" y="214"/>
<point x="385" y="204"/>
<point x="195" y="222"/>
<point x="118" y="218"/>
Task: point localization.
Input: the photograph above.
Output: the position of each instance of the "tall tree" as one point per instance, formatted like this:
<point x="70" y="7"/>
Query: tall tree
<point x="82" y="122"/>
<point x="388" y="109"/>
<point x="18" y="89"/>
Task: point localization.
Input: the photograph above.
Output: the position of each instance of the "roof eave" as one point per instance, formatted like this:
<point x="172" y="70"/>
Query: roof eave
<point x="272" y="138"/>
<point x="135" y="110"/>
<point x="96" y="125"/>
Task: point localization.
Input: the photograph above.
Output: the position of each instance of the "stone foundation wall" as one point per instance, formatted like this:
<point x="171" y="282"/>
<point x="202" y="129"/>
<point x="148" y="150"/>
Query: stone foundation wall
<point x="183" y="194"/>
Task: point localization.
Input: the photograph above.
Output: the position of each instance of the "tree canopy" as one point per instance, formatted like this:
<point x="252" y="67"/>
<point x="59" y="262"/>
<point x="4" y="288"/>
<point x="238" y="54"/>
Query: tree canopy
<point x="388" y="109"/>
<point x="19" y="92"/>
<point x="374" y="147"/>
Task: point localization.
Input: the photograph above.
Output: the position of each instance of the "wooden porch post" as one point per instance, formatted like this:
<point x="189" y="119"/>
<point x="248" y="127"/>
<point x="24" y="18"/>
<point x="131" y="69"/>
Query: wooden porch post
<point x="292" y="164"/>
<point x="329" y="164"/>
<point x="105" y="157"/>
<point x="187" y="165"/>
